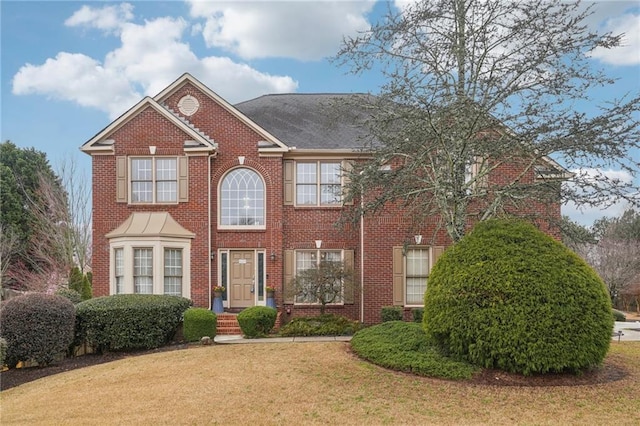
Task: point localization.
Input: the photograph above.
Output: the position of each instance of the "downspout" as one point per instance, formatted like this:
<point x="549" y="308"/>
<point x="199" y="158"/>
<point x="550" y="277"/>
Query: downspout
<point x="362" y="255"/>
<point x="209" y="224"/>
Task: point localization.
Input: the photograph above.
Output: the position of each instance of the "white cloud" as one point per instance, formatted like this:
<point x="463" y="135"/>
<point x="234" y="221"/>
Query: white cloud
<point x="78" y="78"/>
<point x="586" y="215"/>
<point x="150" y="56"/>
<point x="108" y="18"/>
<point x="629" y="51"/>
<point x="306" y="30"/>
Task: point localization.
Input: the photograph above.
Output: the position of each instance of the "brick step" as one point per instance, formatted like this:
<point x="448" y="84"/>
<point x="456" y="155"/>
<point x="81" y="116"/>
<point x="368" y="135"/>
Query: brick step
<point x="228" y="325"/>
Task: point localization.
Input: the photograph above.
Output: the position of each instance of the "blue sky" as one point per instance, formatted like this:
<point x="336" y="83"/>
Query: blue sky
<point x="69" y="68"/>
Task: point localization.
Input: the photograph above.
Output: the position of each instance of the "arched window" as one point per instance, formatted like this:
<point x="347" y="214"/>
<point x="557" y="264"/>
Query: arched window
<point x="242" y="200"/>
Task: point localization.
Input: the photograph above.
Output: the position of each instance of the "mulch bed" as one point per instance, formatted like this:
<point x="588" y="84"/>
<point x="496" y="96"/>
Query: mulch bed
<point x="17" y="376"/>
<point x="610" y="371"/>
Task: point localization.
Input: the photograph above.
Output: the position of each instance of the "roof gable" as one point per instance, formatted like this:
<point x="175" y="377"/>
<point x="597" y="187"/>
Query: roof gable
<point x="101" y="144"/>
<point x="272" y="143"/>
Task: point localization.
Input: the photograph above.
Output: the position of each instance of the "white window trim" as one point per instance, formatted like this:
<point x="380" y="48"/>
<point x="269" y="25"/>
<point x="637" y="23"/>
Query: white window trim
<point x="153" y="159"/>
<point x="318" y="203"/>
<point x="262" y="226"/>
<point x="295" y="260"/>
<point x="157" y="244"/>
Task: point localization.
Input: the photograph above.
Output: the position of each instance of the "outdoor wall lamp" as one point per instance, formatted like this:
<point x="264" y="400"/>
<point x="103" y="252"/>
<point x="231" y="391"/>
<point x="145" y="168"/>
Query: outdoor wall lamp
<point x="273" y="256"/>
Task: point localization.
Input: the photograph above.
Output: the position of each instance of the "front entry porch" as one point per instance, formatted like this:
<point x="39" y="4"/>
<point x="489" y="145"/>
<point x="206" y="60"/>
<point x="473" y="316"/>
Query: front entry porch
<point x="242" y="273"/>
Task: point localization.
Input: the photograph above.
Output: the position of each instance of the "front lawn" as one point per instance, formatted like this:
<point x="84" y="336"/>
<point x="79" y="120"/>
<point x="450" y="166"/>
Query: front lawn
<point x="308" y="383"/>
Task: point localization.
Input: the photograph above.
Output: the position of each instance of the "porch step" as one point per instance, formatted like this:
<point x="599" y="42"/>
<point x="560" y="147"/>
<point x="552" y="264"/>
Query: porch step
<point x="228" y="325"/>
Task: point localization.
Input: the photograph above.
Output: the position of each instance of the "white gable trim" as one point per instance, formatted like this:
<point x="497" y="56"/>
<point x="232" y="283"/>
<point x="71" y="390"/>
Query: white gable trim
<point x="186" y="77"/>
<point x="97" y="143"/>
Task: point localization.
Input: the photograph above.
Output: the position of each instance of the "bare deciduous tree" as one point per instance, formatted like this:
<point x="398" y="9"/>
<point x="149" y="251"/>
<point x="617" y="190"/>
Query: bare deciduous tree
<point x="324" y="283"/>
<point x="475" y="85"/>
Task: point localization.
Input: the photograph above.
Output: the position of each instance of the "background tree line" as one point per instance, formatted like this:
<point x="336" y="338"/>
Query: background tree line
<point x="45" y="221"/>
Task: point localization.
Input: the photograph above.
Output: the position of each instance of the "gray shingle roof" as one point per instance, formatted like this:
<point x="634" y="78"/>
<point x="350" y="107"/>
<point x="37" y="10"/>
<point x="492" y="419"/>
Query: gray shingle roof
<point x="310" y="121"/>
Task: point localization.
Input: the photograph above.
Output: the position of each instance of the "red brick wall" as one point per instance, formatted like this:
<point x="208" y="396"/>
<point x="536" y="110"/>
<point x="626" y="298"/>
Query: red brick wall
<point x="287" y="227"/>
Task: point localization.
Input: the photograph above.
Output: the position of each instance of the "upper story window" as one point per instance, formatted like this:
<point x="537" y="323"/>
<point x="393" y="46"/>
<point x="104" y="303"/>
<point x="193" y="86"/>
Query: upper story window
<point x="318" y="183"/>
<point x="242" y="199"/>
<point x="149" y="180"/>
<point x="154" y="180"/>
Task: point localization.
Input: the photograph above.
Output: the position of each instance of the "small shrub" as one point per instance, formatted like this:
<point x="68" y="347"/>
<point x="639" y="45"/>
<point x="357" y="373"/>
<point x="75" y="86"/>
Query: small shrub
<point x="73" y="296"/>
<point x="80" y="282"/>
<point x="257" y="321"/>
<point x="3" y="351"/>
<point x="323" y="325"/>
<point x="37" y="327"/>
<point x="391" y="313"/>
<point x="417" y="314"/>
<point x="129" y="321"/>
<point x="198" y="323"/>
<point x="403" y="346"/>
<point x="619" y="315"/>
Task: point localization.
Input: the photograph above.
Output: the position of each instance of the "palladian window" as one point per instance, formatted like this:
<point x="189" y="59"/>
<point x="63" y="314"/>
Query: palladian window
<point x="242" y="200"/>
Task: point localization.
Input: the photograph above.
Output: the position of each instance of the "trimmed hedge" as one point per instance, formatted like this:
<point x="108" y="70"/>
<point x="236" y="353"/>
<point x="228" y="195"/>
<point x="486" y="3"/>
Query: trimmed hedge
<point x="257" y="321"/>
<point x="418" y="314"/>
<point x="37" y="327"/>
<point x="3" y="351"/>
<point x="73" y="296"/>
<point x="391" y="313"/>
<point x="619" y="315"/>
<point x="403" y="346"/>
<point x="323" y="325"/>
<point x="508" y="296"/>
<point x="129" y="321"/>
<point x="198" y="323"/>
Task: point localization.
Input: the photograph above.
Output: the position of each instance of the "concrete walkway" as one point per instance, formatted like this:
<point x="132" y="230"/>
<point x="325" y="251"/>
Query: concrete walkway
<point x="240" y="339"/>
<point x="630" y="332"/>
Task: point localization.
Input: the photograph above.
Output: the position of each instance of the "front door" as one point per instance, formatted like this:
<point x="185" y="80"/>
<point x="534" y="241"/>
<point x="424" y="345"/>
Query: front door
<point x="242" y="280"/>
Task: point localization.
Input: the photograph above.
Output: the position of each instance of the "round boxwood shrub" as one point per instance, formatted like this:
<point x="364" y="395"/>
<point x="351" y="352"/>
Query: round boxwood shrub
<point x="619" y="315"/>
<point x="3" y="351"/>
<point x="508" y="296"/>
<point x="129" y="321"/>
<point x="37" y="327"/>
<point x="257" y="321"/>
<point x="198" y="323"/>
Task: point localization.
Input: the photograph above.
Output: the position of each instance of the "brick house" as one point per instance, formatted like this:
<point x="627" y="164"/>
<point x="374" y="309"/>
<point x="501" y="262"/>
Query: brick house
<point x="190" y="191"/>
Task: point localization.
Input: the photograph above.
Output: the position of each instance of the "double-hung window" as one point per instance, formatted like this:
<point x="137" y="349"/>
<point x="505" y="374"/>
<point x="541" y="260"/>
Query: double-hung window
<point x="318" y="183"/>
<point x="310" y="291"/>
<point x="416" y="275"/>
<point x="154" y="180"/>
<point x="118" y="255"/>
<point x="143" y="270"/>
<point x="173" y="271"/>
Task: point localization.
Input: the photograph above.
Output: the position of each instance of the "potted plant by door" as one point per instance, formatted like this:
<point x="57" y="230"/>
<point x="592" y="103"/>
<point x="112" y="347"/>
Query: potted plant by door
<point x="218" y="308"/>
<point x="271" y="293"/>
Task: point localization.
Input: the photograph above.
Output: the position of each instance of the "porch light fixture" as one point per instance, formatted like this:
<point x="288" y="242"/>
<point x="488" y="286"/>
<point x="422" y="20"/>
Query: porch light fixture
<point x="318" y="244"/>
<point x="212" y="255"/>
<point x="273" y="256"/>
<point x="418" y="239"/>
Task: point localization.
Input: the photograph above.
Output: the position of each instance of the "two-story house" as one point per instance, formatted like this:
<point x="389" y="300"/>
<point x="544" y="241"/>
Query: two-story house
<point x="190" y="191"/>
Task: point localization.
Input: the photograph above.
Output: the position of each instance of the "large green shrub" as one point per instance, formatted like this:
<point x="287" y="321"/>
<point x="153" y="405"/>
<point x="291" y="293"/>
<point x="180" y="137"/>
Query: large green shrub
<point x="403" y="346"/>
<point x="323" y="325"/>
<point x="391" y="313"/>
<point x="257" y="321"/>
<point x="509" y="296"/>
<point x="37" y="327"/>
<point x="198" y="323"/>
<point x="129" y="321"/>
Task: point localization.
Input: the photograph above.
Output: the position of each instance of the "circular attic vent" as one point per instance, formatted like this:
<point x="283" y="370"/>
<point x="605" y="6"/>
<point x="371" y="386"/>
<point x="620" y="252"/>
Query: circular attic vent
<point x="188" y="105"/>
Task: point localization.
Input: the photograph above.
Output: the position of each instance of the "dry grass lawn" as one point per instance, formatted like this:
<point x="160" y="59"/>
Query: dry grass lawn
<point x="304" y="383"/>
